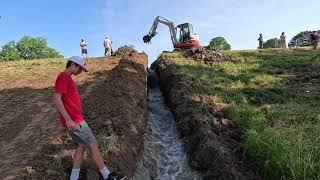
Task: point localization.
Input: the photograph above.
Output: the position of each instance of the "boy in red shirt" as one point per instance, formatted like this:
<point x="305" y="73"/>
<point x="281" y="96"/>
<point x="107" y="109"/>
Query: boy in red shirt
<point x="68" y="103"/>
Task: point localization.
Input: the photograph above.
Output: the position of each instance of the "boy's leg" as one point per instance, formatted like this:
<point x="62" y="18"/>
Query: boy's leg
<point x="96" y="155"/>
<point x="78" y="158"/>
<point x="85" y="137"/>
<point x="97" y="158"/>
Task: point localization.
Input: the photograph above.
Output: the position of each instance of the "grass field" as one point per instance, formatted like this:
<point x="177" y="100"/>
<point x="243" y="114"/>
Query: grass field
<point x="274" y="96"/>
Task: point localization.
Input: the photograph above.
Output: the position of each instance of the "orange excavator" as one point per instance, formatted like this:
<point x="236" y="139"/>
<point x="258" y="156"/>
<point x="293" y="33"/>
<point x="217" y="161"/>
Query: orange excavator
<point x="182" y="36"/>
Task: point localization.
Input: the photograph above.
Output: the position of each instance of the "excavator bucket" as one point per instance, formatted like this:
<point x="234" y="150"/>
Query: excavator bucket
<point x="146" y="38"/>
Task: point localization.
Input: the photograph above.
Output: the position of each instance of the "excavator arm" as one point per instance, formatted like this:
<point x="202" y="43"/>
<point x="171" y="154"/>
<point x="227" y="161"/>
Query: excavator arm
<point x="173" y="32"/>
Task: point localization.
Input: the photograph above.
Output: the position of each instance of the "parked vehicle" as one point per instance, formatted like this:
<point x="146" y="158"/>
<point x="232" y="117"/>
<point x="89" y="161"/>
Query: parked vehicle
<point x="292" y="43"/>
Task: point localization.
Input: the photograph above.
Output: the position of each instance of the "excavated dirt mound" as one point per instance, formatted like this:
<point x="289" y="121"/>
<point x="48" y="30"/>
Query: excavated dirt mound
<point x="213" y="142"/>
<point x="204" y="54"/>
<point x="35" y="146"/>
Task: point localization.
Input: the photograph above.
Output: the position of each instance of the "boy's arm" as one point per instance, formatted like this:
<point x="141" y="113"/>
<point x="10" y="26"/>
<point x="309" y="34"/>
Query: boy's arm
<point x="63" y="112"/>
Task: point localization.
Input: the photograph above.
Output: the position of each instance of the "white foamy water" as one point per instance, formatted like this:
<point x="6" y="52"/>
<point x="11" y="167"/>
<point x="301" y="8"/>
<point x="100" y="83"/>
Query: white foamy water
<point x="163" y="157"/>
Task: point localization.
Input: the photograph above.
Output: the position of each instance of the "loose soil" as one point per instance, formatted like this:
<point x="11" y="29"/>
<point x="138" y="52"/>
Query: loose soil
<point x="33" y="144"/>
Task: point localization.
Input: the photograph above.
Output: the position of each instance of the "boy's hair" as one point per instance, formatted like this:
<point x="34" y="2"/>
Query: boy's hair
<point x="69" y="63"/>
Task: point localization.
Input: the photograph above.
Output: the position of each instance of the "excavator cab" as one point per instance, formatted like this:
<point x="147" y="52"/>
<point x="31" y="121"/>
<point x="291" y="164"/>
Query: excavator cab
<point x="185" y="31"/>
<point x="186" y="36"/>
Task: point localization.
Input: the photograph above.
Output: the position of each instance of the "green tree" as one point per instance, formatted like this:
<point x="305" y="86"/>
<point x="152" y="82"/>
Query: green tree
<point x="9" y="52"/>
<point x="35" y="48"/>
<point x="220" y="43"/>
<point x="271" y="43"/>
<point x="301" y="34"/>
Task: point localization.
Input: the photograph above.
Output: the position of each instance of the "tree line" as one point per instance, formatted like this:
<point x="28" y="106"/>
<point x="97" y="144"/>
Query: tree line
<point x="220" y="43"/>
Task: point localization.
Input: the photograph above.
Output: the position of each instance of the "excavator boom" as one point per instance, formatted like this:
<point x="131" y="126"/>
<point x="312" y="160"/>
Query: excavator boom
<point x="153" y="31"/>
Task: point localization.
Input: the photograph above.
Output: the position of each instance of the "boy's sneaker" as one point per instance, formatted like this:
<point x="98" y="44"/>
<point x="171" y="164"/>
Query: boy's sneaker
<point x="114" y="176"/>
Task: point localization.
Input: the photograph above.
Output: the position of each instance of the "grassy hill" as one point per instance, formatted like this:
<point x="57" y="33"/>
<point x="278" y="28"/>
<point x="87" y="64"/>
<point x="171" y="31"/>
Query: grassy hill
<point x="274" y="96"/>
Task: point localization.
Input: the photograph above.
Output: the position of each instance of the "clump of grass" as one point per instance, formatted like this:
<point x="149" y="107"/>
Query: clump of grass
<point x="249" y="117"/>
<point x="109" y="144"/>
<point x="170" y="55"/>
<point x="125" y="50"/>
<point x="291" y="153"/>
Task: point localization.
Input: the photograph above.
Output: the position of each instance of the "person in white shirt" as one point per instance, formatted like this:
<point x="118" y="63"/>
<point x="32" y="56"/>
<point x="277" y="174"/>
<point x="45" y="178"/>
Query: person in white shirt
<point x="283" y="40"/>
<point x="107" y="46"/>
<point x="84" y="47"/>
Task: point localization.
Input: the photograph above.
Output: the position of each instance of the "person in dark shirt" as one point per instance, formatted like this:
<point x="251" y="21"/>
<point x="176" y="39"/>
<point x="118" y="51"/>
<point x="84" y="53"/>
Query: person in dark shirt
<point x="260" y="39"/>
<point x="314" y="39"/>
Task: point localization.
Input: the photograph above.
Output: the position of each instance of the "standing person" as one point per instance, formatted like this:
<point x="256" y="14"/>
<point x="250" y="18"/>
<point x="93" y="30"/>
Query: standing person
<point x="107" y="46"/>
<point x="84" y="47"/>
<point x="260" y="39"/>
<point x="283" y="40"/>
<point x="68" y="103"/>
<point x="314" y="39"/>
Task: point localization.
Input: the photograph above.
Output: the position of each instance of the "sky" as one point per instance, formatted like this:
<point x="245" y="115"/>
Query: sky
<point x="64" y="22"/>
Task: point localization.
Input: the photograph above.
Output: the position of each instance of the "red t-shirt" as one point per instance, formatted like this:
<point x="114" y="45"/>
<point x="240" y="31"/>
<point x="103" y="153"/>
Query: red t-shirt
<point x="70" y="98"/>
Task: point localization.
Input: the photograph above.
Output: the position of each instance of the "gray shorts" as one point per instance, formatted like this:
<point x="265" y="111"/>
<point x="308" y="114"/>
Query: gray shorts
<point x="84" y="51"/>
<point x="82" y="134"/>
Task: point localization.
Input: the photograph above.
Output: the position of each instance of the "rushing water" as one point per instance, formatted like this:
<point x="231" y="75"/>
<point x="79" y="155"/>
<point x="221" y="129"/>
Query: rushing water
<point x="163" y="157"/>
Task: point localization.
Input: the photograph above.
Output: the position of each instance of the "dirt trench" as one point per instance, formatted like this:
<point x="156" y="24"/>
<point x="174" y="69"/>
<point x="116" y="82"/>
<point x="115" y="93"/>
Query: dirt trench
<point x="35" y="146"/>
<point x="213" y="143"/>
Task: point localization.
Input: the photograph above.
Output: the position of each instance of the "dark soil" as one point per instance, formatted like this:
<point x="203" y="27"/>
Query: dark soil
<point x="204" y="54"/>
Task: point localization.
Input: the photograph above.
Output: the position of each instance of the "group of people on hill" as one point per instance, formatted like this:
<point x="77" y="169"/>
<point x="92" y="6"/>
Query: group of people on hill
<point x="313" y="39"/>
<point x="107" y="44"/>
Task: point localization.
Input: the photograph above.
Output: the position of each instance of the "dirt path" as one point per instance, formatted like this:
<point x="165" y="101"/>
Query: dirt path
<point x="33" y="144"/>
<point x="25" y="129"/>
